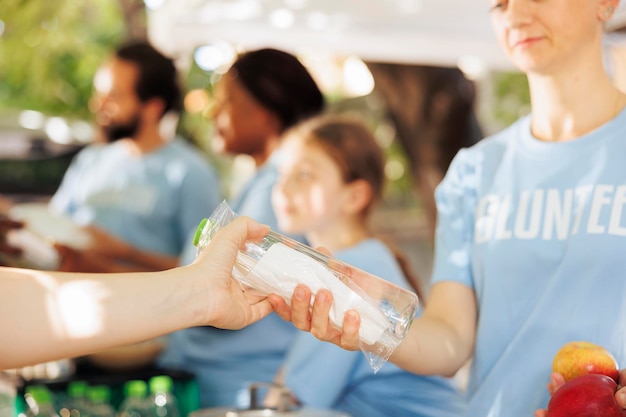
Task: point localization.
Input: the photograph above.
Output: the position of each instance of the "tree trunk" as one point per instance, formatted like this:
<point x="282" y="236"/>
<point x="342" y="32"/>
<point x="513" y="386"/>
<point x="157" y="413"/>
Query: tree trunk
<point x="433" y="112"/>
<point x="134" y="12"/>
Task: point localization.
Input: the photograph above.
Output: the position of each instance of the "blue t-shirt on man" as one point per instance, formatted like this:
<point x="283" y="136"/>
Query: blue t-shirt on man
<point x="152" y="201"/>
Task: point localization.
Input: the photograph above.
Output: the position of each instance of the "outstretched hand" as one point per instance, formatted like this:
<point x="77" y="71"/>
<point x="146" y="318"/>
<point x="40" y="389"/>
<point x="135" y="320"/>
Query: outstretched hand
<point x="228" y="305"/>
<point x="316" y="320"/>
<point x="557" y="380"/>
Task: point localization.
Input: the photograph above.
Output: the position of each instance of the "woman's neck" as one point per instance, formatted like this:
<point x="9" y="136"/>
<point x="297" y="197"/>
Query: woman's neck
<point x="271" y="144"/>
<point x="339" y="235"/>
<point x="565" y="108"/>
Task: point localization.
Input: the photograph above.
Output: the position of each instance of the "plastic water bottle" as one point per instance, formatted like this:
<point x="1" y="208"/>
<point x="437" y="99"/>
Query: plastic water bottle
<point x="76" y="403"/>
<point x="99" y="406"/>
<point x="40" y="403"/>
<point x="163" y="401"/>
<point x="135" y="403"/>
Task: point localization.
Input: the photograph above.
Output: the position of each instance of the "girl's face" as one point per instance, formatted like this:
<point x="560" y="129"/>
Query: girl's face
<point x="310" y="193"/>
<point x="544" y="36"/>
<point x="241" y="122"/>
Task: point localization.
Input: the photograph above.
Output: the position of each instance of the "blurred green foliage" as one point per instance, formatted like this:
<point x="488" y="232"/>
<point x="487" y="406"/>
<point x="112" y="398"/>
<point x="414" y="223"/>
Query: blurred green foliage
<point x="49" y="51"/>
<point x="511" y="96"/>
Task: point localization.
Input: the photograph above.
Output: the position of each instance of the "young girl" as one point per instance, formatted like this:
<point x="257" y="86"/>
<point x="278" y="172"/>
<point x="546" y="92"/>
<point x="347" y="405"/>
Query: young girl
<point x="331" y="173"/>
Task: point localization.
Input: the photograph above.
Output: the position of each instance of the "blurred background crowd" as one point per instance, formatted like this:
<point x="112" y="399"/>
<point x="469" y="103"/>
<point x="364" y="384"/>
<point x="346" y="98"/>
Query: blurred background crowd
<point x="64" y="81"/>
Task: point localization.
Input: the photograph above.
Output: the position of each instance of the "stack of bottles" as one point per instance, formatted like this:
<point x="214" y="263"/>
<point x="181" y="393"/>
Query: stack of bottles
<point x="140" y="399"/>
<point x="40" y="402"/>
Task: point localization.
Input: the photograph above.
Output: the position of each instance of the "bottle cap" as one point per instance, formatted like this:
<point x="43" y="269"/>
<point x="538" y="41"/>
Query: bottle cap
<point x="77" y="389"/>
<point x="161" y="383"/>
<point x="40" y="394"/>
<point x="98" y="393"/>
<point x="196" y="237"/>
<point x="136" y="388"/>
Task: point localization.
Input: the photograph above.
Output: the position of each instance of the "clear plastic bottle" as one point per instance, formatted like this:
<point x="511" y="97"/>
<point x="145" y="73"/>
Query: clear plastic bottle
<point x="76" y="403"/>
<point x="135" y="403"/>
<point x="162" y="398"/>
<point x="99" y="405"/>
<point x="40" y="402"/>
<point x="276" y="264"/>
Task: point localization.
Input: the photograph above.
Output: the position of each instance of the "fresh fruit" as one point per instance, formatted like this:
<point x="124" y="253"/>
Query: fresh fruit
<point x="581" y="358"/>
<point x="591" y="395"/>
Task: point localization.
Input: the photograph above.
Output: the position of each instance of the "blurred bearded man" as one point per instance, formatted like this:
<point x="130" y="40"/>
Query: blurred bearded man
<point x="142" y="194"/>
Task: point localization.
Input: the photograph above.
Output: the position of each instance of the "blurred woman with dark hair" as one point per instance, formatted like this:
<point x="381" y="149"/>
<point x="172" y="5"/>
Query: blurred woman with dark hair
<point x="263" y="93"/>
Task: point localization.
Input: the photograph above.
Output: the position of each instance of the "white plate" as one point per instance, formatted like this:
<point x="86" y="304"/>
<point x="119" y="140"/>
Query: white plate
<point x="50" y="226"/>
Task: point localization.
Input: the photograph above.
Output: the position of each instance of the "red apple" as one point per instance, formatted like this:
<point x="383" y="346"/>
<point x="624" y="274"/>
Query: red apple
<point x="581" y="358"/>
<point x="591" y="395"/>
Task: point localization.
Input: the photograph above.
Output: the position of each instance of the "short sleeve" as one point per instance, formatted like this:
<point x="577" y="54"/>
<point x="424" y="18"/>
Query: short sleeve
<point x="455" y="198"/>
<point x="63" y="199"/>
<point x="200" y="194"/>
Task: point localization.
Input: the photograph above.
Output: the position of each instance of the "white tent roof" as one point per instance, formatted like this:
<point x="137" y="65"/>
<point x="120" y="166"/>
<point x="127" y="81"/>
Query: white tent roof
<point x="431" y="32"/>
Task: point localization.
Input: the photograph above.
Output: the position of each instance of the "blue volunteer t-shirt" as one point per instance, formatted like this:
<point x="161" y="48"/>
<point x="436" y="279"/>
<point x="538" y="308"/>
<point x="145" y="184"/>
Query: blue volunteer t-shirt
<point x="152" y="201"/>
<point x="538" y="230"/>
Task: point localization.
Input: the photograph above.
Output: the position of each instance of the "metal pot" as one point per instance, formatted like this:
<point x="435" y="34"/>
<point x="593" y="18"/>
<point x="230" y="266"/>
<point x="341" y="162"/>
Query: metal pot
<point x="284" y="408"/>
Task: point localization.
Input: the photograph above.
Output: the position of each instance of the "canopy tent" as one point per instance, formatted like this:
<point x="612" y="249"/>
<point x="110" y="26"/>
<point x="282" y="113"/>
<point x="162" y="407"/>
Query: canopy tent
<point x="429" y="32"/>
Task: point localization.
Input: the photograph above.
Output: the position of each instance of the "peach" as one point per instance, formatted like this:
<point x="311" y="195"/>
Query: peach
<point x="581" y="358"/>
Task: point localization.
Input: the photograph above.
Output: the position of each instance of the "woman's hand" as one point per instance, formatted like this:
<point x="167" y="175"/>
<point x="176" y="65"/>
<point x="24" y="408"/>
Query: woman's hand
<point x="6" y="225"/>
<point x="317" y="320"/>
<point x="227" y="305"/>
<point x="557" y="380"/>
<point x="620" y="395"/>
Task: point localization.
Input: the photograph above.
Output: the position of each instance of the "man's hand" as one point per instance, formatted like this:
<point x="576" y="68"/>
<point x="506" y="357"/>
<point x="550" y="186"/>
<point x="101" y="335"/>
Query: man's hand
<point x="75" y="260"/>
<point x="105" y="244"/>
<point x="6" y="225"/>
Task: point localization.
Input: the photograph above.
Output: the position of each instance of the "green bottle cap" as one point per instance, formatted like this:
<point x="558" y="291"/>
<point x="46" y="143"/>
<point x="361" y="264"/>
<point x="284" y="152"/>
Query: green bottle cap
<point x="98" y="393"/>
<point x="77" y="389"/>
<point x="196" y="237"/>
<point x="40" y="394"/>
<point x="161" y="383"/>
<point x="136" y="388"/>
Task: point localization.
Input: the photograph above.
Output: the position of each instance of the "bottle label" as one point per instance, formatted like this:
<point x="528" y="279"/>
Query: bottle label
<point x="282" y="268"/>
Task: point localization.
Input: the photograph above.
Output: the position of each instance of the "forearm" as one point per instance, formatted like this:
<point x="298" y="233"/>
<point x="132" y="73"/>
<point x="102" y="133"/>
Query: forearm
<point x="432" y="348"/>
<point x="51" y="315"/>
<point x="441" y="340"/>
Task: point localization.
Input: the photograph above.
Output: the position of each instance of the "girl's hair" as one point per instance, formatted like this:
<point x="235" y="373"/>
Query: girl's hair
<point x="353" y="147"/>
